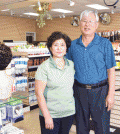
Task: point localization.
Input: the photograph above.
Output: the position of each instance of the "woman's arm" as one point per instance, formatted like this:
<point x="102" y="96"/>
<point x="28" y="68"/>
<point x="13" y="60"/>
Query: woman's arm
<point x="39" y="90"/>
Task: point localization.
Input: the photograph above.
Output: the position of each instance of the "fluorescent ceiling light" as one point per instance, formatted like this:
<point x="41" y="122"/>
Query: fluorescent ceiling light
<point x="5" y="10"/>
<point x="61" y="10"/>
<point x="32" y="5"/>
<point x="97" y="6"/>
<point x="32" y="14"/>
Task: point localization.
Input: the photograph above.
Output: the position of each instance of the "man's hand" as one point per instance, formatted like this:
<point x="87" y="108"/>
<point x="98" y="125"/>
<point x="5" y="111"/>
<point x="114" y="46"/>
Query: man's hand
<point x="109" y="101"/>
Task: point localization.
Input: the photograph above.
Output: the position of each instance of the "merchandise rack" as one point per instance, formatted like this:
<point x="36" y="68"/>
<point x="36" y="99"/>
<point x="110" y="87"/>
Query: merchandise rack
<point x="115" y="111"/>
<point x="9" y="110"/>
<point x="28" y="96"/>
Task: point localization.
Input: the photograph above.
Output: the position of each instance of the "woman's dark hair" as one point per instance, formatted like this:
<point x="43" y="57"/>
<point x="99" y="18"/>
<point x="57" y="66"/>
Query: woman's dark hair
<point x="5" y="56"/>
<point x="56" y="36"/>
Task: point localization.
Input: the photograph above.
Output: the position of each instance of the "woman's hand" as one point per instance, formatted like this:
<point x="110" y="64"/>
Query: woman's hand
<point x="49" y="123"/>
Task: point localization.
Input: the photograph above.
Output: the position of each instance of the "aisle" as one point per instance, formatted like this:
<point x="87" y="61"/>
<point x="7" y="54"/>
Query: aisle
<point x="30" y="124"/>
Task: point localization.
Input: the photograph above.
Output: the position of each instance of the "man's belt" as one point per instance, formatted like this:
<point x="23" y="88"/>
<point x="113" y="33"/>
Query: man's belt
<point x="92" y="86"/>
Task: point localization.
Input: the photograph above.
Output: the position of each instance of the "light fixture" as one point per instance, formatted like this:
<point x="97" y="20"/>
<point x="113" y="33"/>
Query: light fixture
<point x="97" y="6"/>
<point x="32" y="14"/>
<point x="60" y="16"/>
<point x="12" y="13"/>
<point x="63" y="16"/>
<point x="112" y="12"/>
<point x="5" y="10"/>
<point x="31" y="5"/>
<point x="42" y="10"/>
<point x="72" y="3"/>
<point x="61" y="10"/>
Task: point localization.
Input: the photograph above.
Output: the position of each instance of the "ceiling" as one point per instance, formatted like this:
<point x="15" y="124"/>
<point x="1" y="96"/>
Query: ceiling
<point x="18" y="7"/>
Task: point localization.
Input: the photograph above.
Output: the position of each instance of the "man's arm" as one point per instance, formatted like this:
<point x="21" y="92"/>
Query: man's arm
<point x="111" y="92"/>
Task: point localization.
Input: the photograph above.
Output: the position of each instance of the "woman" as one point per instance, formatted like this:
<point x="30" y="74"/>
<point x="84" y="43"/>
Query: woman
<point x="6" y="82"/>
<point x="54" y="87"/>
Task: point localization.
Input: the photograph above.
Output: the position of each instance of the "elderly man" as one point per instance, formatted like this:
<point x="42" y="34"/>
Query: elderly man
<point x="94" y="85"/>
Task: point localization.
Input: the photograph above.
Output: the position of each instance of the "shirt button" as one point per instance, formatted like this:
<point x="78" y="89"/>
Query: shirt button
<point x="85" y="48"/>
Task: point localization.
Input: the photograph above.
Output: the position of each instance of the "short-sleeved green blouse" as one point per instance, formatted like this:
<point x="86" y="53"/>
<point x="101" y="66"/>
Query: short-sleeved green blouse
<point x="59" y="89"/>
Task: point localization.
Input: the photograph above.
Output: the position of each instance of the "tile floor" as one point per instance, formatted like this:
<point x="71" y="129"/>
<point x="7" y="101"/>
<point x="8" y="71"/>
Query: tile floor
<point x="30" y="124"/>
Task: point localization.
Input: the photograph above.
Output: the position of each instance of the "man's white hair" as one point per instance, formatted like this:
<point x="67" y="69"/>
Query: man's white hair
<point x="87" y="12"/>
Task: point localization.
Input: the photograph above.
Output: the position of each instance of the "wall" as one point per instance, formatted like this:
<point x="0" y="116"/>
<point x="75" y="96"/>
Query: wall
<point x="64" y="25"/>
<point x="15" y="28"/>
<point x="114" y="24"/>
<point x="58" y="24"/>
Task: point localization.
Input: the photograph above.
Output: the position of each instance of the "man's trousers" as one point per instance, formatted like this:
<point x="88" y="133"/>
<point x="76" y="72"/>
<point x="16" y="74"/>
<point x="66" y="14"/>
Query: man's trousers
<point x="91" y="102"/>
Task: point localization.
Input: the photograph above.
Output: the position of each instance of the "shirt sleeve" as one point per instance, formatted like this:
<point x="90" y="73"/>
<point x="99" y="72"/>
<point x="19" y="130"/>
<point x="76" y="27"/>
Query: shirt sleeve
<point x="41" y="73"/>
<point x="69" y="54"/>
<point x="72" y="66"/>
<point x="110" y="57"/>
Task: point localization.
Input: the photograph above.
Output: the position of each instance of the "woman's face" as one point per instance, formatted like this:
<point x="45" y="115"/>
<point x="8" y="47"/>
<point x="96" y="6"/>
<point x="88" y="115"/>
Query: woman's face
<point x="58" y="48"/>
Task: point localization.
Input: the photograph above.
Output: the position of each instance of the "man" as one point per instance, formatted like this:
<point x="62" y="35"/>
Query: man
<point x="94" y="85"/>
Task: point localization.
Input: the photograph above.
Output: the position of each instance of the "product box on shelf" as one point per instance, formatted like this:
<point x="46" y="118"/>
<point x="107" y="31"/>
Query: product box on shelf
<point x="32" y="99"/>
<point x="31" y="49"/>
<point x="9" y="129"/>
<point x="15" y="110"/>
<point x="3" y="111"/>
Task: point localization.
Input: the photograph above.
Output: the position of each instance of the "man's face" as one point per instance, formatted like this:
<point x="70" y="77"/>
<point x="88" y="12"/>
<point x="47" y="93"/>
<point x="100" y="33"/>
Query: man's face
<point x="88" y="24"/>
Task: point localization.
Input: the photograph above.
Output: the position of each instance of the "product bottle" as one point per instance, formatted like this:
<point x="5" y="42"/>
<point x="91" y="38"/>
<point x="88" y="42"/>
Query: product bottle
<point x="112" y="36"/>
<point x="116" y="35"/>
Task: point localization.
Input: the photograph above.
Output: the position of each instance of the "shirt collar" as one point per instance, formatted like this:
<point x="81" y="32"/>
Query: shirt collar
<point x="94" y="41"/>
<point x="52" y="62"/>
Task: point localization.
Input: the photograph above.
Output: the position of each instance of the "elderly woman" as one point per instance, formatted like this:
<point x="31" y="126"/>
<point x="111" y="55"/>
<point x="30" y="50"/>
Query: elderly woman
<point x="54" y="87"/>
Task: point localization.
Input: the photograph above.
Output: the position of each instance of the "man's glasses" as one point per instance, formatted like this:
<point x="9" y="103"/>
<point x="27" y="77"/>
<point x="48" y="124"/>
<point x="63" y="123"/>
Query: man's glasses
<point x="89" y="22"/>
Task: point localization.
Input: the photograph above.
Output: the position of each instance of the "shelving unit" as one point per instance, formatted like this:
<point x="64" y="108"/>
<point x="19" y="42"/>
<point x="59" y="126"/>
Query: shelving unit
<point x="32" y="56"/>
<point x="36" y="55"/>
<point x="115" y="112"/>
<point x="28" y="96"/>
<point x="23" y="95"/>
<point x="33" y="63"/>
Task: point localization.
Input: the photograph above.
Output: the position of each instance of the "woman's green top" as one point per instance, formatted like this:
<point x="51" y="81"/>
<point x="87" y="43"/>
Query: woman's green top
<point x="58" y="92"/>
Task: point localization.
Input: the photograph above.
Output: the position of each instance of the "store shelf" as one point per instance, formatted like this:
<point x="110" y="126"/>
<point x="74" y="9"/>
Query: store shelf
<point x="31" y="89"/>
<point x="118" y="89"/>
<point x="115" y="111"/>
<point x="117" y="69"/>
<point x="31" y="56"/>
<point x="34" y="103"/>
<point x="30" y="67"/>
<point x="20" y="43"/>
<point x="26" y="96"/>
<point x="20" y="54"/>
